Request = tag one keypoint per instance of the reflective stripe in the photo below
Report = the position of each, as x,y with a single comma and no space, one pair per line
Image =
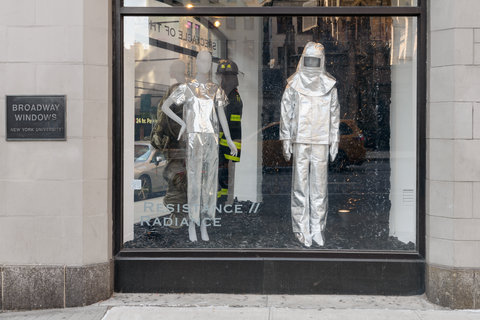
233,158
221,134
235,117
224,142
222,192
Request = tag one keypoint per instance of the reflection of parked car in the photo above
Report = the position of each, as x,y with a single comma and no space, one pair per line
351,149
149,166
272,153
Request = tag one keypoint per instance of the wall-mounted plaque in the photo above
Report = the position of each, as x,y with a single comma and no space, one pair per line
36,117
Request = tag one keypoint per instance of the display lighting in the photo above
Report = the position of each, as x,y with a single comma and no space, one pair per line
189,6
217,23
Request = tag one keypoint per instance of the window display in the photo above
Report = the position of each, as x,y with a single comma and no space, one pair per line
298,133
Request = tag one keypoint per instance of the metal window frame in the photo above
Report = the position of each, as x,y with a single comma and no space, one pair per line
126,259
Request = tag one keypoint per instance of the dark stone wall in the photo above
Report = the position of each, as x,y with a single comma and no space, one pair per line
453,288
31,287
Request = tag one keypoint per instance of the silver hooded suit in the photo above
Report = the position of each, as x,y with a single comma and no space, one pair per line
310,117
200,102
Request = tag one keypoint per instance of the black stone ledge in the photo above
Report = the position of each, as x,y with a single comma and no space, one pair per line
32,287
455,288
269,276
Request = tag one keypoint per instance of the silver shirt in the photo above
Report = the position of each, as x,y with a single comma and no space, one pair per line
310,112
200,101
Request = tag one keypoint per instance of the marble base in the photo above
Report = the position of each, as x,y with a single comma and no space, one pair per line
30,287
453,288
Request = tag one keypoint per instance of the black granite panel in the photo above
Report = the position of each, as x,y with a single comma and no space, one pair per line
344,277
189,276
270,276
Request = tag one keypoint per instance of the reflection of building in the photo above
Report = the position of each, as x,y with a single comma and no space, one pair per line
358,56
168,39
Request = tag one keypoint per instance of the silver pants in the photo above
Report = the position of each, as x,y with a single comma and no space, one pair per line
309,189
202,175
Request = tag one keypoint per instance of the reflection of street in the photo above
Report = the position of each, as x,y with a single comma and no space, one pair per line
151,208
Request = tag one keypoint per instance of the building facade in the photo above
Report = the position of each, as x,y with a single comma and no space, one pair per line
97,208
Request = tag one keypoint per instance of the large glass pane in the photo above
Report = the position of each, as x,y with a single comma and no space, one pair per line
260,3
363,199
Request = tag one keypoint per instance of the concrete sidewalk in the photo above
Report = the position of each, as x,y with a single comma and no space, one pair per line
252,307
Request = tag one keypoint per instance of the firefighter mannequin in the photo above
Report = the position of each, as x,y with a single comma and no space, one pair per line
227,77
310,118
203,103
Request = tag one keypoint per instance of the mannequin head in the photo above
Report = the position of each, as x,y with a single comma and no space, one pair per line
313,58
311,77
218,78
226,74
204,62
177,71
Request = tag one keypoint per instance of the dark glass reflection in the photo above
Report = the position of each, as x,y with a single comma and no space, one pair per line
366,55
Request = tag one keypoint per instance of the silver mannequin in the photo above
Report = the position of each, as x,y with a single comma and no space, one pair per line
203,103
310,118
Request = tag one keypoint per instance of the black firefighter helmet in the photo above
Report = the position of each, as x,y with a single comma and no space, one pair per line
226,66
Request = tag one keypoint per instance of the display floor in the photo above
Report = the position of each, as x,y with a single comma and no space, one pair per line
358,217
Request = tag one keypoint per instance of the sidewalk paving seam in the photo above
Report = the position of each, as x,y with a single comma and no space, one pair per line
417,314
105,313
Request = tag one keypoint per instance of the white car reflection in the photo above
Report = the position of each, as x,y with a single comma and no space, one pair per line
148,168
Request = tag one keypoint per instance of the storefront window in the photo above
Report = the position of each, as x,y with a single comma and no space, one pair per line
321,113
260,3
